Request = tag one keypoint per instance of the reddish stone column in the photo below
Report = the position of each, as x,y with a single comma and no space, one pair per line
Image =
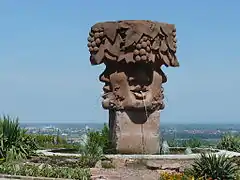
134,133
133,52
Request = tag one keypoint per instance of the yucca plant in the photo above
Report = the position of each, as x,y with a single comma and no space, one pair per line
14,142
213,166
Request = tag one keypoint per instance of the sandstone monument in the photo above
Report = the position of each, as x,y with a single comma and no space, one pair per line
133,52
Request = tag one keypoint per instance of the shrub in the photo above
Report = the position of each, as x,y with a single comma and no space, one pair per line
48,142
237,160
107,144
101,138
173,143
92,150
15,143
44,170
192,143
230,142
97,144
213,166
48,139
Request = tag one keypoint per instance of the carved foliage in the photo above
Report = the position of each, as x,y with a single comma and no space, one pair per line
133,41
133,52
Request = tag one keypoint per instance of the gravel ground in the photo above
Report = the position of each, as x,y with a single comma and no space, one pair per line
135,169
136,174
127,174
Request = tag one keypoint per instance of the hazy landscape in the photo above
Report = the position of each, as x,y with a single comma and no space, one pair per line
209,132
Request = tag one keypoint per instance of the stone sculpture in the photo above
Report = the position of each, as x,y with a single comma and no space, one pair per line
133,52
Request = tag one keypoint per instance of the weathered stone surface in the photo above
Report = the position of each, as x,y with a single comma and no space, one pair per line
119,162
164,165
134,133
98,164
153,165
173,166
98,174
107,164
181,169
133,52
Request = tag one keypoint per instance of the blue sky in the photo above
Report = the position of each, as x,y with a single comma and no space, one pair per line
46,76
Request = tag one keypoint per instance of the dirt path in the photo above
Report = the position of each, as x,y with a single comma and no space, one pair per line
124,174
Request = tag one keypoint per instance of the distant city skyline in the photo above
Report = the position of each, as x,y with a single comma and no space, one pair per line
73,132
46,76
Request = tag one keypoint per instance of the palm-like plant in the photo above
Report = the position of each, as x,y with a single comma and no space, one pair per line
212,166
14,142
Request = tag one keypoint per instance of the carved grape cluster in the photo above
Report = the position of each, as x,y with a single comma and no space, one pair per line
95,39
143,48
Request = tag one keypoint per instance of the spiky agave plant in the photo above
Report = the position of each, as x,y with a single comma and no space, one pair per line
230,142
14,142
213,166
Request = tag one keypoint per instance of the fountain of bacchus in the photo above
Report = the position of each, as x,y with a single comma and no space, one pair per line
133,52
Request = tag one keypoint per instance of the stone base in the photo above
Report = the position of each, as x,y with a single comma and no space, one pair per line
132,132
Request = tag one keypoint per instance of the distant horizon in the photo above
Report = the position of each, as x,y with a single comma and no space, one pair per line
193,123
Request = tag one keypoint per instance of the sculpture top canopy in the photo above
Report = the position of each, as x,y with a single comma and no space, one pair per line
133,41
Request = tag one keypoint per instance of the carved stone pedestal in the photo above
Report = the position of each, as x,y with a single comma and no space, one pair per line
132,132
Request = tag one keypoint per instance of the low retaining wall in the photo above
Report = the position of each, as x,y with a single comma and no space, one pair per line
143,156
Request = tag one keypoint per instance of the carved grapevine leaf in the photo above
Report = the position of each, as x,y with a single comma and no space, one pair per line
114,49
165,58
175,62
110,30
108,56
164,29
100,54
163,46
156,43
170,43
136,41
174,41
148,28
128,57
154,30
132,36
136,31
170,56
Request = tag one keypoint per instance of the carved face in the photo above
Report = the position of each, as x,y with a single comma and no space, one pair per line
132,86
